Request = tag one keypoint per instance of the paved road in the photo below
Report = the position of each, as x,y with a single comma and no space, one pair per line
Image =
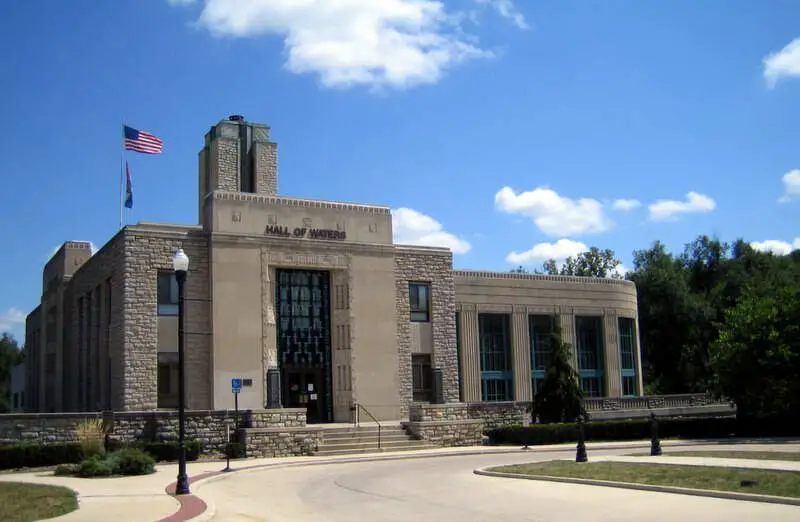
445,489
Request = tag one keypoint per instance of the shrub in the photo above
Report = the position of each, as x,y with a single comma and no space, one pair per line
63,470
96,466
91,436
168,451
235,450
28,455
133,462
691,428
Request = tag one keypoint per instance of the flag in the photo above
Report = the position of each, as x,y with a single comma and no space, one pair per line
128,187
140,141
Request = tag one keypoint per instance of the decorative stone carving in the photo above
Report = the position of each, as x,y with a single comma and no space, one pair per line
236,217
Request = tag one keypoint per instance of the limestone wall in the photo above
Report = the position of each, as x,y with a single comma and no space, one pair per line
444,424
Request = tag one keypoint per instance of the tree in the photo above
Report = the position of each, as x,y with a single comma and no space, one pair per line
592,263
561,397
10,356
756,360
519,270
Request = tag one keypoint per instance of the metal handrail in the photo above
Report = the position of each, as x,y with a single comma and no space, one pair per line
357,407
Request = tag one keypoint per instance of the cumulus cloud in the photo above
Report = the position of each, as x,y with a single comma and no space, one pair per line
415,228
560,250
783,64
553,214
791,186
776,246
626,204
11,319
386,43
506,9
670,209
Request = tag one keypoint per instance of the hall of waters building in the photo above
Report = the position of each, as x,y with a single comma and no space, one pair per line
311,304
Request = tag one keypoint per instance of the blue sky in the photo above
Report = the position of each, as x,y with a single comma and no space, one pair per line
508,131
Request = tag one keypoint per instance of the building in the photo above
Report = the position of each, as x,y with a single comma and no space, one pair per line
309,303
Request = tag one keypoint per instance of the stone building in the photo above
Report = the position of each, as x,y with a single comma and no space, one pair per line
311,304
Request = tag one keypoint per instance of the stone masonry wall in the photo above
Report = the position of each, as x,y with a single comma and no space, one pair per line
147,252
281,442
225,162
266,168
434,267
208,427
498,414
445,424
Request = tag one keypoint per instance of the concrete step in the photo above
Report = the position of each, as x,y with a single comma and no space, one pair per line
329,452
363,435
411,444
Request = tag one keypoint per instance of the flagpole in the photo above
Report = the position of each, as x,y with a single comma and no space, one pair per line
122,178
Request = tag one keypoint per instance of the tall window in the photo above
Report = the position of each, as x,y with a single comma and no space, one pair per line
627,355
458,356
540,328
167,294
494,331
589,333
421,377
419,295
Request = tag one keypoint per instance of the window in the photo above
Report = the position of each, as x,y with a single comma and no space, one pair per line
495,348
627,355
589,333
421,377
167,294
419,295
167,380
541,329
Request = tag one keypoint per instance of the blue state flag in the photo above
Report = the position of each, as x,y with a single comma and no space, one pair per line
128,187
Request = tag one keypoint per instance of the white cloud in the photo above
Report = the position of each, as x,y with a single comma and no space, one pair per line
379,43
791,186
783,64
776,246
560,250
670,209
11,319
553,214
506,9
415,228
626,204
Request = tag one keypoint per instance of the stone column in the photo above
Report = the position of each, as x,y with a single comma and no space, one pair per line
470,354
269,339
613,377
521,354
566,318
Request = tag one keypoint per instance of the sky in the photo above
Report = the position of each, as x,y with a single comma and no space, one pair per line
508,131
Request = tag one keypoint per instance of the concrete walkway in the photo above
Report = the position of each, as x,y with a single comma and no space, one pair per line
145,499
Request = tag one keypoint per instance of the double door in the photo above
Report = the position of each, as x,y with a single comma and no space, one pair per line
305,388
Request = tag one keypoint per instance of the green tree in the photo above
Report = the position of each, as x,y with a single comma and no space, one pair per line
592,263
561,397
10,356
756,360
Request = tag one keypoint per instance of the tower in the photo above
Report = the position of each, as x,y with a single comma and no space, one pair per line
237,156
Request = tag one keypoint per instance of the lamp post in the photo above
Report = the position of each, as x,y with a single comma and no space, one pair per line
180,263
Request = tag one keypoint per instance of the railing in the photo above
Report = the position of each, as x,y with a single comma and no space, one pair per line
653,401
357,409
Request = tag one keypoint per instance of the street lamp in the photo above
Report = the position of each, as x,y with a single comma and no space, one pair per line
180,263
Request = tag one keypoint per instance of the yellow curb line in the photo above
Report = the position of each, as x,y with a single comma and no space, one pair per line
727,495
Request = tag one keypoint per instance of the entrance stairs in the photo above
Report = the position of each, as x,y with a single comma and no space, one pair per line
352,440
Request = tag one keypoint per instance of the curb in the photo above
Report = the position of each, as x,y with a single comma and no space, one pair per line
190,509
726,495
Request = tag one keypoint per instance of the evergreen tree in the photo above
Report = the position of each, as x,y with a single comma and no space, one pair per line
561,397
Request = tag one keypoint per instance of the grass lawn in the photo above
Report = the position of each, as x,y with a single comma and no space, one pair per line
778,483
28,502
722,454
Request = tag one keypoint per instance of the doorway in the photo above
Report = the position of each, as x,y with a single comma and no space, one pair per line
304,388
302,299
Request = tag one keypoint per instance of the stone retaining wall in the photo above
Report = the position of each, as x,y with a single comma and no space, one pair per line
445,424
281,442
208,427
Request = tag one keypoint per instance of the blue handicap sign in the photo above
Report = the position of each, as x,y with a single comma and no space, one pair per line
236,385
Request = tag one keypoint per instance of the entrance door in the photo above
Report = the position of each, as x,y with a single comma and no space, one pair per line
304,341
304,388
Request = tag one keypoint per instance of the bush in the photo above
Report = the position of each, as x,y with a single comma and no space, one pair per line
691,428
29,455
123,462
168,451
235,450
91,436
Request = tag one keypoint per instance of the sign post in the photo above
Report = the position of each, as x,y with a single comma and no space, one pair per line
236,387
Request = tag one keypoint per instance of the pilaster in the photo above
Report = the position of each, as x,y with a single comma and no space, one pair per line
470,354
521,354
613,376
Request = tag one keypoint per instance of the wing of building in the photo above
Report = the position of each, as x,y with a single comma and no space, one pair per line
311,305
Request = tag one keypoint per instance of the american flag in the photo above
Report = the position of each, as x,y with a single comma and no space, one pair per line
140,141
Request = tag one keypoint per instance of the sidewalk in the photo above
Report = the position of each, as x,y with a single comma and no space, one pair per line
144,499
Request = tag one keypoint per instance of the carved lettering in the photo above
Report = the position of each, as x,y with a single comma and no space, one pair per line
277,230
303,232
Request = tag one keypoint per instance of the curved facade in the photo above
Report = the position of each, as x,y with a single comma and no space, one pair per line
310,304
